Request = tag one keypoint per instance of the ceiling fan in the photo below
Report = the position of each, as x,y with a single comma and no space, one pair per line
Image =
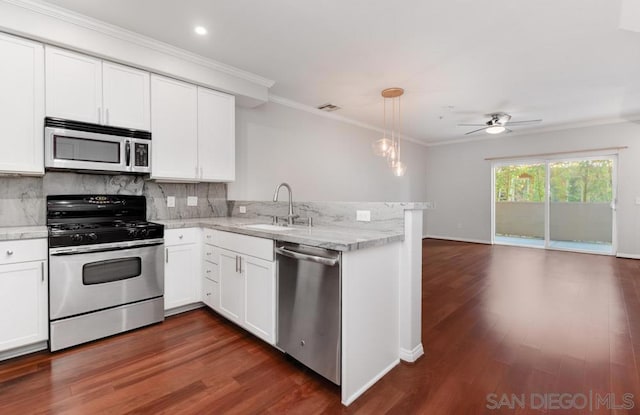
497,123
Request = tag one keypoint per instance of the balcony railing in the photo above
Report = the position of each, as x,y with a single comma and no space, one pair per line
568,221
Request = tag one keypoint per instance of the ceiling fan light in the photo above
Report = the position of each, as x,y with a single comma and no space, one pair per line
381,147
496,129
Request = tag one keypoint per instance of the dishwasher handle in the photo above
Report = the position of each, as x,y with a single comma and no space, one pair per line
331,261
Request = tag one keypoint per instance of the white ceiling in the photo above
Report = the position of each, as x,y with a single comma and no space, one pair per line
566,61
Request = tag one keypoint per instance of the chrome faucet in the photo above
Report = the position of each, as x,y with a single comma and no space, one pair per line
290,216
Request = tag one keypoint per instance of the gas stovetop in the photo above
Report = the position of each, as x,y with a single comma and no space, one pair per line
94,219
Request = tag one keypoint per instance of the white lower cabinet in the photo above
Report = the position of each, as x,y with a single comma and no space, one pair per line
231,286
182,268
259,297
242,286
23,293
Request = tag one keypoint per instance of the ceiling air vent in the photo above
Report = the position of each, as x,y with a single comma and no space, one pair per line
328,107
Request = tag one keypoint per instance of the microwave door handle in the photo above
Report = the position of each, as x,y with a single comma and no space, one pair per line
127,153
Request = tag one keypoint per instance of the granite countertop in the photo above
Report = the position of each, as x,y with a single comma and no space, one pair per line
329,237
9,233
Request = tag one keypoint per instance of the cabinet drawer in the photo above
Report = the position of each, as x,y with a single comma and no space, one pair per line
210,271
211,294
23,250
244,244
208,236
209,254
181,236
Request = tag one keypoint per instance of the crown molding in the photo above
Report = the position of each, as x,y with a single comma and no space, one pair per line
312,110
541,130
117,32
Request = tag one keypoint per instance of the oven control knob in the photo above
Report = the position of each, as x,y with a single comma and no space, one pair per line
144,232
76,237
92,236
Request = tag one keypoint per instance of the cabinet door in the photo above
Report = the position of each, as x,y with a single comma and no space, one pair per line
231,286
21,106
126,98
260,297
174,125
181,276
23,304
73,86
216,136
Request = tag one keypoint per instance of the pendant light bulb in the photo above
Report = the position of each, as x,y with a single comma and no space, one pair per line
382,147
398,168
392,155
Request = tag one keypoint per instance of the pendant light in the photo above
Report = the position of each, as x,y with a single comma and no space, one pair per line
383,146
390,148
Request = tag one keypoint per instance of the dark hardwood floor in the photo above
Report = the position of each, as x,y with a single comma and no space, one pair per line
498,319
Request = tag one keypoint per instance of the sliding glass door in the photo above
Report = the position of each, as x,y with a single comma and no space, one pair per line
519,208
581,205
563,204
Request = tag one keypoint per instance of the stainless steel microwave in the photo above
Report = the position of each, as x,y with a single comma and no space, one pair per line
73,145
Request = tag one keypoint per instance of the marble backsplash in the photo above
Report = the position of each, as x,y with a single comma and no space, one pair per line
384,215
23,199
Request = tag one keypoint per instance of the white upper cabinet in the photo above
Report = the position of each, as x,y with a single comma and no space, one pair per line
174,127
21,106
193,132
83,88
73,86
126,97
216,136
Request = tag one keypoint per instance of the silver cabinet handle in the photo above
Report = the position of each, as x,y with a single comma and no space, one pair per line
166,256
236,263
240,266
208,271
9,252
42,271
180,236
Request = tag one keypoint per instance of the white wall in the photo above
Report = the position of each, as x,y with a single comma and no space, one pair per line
322,159
459,179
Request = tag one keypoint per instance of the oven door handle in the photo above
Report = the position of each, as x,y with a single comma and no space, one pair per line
105,247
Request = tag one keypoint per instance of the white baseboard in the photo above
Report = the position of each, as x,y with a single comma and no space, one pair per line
349,400
32,348
451,238
182,309
629,256
411,355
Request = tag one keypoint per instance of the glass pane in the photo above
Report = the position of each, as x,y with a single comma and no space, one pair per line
519,204
82,149
101,272
580,215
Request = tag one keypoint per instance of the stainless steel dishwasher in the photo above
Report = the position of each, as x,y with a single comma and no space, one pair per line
309,307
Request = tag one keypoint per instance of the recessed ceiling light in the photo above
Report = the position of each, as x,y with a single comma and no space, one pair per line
200,30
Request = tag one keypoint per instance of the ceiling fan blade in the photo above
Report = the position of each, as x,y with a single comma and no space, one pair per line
524,122
470,125
475,131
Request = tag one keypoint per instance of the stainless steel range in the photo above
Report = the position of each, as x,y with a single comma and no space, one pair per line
106,267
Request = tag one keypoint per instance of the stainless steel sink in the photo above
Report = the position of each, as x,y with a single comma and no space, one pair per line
270,228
